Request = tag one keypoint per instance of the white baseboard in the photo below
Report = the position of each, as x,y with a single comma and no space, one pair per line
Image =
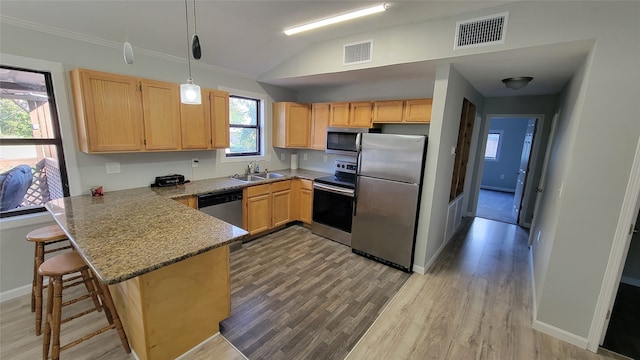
435,256
497,188
419,269
534,307
630,281
14,293
563,335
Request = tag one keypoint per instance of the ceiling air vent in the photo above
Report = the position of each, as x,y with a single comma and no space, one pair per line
486,30
357,53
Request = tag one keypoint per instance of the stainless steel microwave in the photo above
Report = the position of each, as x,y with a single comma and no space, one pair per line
342,141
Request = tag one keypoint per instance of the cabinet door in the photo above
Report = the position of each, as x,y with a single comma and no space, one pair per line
258,213
306,201
339,114
360,114
161,104
319,123
390,111
417,110
108,112
196,125
219,113
281,207
298,125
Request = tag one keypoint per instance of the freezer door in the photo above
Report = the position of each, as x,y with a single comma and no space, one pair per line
393,157
384,219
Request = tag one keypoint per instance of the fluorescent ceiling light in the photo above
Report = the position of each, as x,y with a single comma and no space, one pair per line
336,19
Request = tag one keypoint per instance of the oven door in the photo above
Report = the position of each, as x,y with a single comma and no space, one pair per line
332,212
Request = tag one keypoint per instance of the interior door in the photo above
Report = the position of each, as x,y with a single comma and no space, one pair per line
524,169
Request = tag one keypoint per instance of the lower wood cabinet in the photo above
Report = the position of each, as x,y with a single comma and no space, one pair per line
189,200
304,201
268,206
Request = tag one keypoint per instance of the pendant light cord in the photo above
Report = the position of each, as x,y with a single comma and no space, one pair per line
194,18
186,16
126,22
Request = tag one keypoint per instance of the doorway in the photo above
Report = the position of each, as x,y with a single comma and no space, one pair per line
507,156
623,332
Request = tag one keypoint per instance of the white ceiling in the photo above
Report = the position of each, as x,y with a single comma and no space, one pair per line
233,32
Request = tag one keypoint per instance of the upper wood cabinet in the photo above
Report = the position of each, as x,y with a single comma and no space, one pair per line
219,115
161,106
118,113
402,111
339,114
319,123
360,114
291,125
109,113
353,114
196,124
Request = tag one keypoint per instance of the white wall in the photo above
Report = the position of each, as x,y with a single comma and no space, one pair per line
449,92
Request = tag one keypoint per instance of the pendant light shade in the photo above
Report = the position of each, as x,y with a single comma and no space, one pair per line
190,92
516,83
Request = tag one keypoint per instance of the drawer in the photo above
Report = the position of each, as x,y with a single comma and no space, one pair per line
306,184
258,190
281,185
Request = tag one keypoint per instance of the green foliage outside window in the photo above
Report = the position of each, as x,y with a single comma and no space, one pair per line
244,126
14,120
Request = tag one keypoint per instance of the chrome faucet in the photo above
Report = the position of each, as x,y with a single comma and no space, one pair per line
249,168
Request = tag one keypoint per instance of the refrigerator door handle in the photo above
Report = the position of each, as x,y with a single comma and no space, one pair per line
358,136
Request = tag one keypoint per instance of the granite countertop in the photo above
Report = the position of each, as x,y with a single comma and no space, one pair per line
127,233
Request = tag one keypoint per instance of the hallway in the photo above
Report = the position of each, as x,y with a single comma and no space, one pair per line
474,303
496,205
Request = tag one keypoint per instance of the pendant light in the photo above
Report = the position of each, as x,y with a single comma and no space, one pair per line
195,41
189,92
127,50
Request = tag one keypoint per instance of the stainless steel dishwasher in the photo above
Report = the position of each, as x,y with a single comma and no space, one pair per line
224,205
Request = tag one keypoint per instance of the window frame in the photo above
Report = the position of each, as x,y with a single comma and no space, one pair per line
56,141
500,134
258,127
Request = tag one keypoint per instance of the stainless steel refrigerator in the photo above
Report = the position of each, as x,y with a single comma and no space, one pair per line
387,196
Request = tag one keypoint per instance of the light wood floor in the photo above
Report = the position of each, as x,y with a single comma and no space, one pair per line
475,303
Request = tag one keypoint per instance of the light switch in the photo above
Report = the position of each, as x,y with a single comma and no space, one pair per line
304,156
113,168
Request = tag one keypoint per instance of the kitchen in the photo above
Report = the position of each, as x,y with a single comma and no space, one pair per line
138,169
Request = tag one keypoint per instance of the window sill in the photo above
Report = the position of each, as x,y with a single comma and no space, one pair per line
26,220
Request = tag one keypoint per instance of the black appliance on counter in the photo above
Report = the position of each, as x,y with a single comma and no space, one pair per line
169,180
333,203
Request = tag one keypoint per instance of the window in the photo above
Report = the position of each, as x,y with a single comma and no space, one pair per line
32,167
493,145
244,126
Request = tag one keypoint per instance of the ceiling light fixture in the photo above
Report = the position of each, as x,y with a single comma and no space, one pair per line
516,83
189,92
336,19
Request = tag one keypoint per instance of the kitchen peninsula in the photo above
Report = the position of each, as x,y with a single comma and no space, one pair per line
167,265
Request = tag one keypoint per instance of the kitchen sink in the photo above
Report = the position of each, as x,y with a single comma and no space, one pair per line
269,175
248,178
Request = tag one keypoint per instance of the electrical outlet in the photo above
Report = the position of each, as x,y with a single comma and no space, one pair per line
324,159
195,162
304,156
501,176
113,168
282,156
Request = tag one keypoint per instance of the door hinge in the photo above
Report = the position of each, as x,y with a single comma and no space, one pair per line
631,227
144,141
608,315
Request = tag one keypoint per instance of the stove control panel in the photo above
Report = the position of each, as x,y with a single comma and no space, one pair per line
345,166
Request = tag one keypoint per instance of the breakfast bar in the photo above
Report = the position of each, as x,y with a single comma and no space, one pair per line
167,265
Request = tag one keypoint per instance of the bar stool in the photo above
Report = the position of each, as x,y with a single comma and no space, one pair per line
57,267
42,238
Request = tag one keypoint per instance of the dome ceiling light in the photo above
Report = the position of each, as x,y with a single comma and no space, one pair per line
516,83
